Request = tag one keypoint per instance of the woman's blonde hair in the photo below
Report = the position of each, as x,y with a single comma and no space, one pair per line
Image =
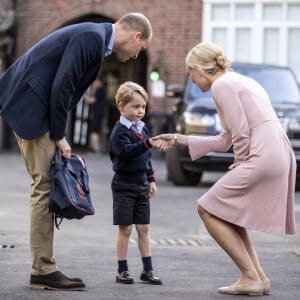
126,90
207,56
138,22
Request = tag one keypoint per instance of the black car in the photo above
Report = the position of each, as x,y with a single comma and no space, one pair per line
195,114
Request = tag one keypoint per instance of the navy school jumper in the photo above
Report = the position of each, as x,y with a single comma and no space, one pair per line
130,153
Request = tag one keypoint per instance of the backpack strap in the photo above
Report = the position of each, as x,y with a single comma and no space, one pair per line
57,219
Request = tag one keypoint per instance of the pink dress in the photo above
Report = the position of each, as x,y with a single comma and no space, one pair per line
258,190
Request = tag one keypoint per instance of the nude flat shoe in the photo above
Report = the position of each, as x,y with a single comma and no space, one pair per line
256,289
267,286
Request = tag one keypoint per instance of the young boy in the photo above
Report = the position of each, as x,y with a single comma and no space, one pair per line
133,183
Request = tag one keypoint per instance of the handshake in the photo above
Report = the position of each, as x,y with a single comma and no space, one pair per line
165,142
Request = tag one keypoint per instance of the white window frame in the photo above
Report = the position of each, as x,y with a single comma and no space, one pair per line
257,25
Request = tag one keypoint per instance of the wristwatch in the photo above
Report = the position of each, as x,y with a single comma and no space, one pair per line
176,139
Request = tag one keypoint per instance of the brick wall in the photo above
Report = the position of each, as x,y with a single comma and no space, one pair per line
176,27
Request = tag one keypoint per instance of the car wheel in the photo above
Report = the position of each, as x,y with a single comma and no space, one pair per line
176,173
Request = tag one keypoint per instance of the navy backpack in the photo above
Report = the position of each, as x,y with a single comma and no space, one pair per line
70,194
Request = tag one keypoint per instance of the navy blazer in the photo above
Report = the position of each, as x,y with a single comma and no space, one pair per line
45,83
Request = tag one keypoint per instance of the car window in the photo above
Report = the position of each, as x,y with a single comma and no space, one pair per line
193,92
280,84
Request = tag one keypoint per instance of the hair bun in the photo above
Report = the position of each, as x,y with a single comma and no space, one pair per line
222,62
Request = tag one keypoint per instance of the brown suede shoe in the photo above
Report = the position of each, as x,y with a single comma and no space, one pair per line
55,281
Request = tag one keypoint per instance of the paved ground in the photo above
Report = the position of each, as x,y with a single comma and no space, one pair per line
190,264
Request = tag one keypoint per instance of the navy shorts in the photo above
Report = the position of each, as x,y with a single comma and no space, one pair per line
131,202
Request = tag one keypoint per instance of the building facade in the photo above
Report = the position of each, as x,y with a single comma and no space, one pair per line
259,31
176,28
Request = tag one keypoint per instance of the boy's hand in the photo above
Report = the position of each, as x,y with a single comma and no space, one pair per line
160,144
153,189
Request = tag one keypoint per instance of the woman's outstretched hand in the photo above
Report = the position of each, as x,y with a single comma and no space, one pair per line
159,144
163,142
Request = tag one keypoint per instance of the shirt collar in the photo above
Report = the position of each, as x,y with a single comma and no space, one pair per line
111,41
128,124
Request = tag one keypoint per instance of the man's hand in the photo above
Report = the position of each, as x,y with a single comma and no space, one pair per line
64,148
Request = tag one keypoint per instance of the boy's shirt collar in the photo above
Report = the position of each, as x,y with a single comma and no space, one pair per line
139,124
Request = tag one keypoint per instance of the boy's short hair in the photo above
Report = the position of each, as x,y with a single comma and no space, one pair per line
126,90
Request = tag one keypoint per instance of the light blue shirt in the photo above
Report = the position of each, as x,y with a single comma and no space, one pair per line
128,124
111,42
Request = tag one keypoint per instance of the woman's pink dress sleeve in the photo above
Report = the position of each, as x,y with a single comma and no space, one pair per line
201,145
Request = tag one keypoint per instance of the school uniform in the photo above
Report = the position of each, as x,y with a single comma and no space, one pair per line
130,152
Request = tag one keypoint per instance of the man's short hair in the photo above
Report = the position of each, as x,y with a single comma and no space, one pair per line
138,22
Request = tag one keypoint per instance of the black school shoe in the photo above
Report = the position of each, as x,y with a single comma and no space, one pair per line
124,277
150,277
56,281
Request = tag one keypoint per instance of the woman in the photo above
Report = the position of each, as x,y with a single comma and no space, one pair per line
96,98
258,190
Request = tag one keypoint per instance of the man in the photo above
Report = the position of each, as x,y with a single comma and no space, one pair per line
37,92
